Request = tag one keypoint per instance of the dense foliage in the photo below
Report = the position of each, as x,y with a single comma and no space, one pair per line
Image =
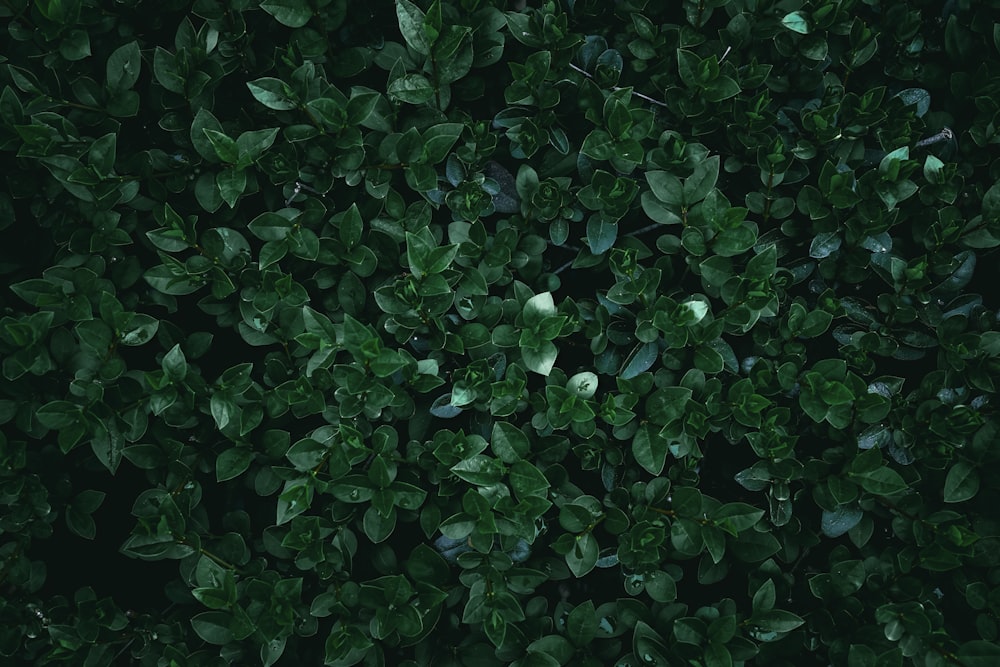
465,332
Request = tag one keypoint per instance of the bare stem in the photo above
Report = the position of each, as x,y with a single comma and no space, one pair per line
944,135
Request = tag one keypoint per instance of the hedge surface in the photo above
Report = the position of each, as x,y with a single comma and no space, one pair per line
472,332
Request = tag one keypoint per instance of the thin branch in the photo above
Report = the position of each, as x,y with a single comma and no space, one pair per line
299,187
617,88
643,230
944,135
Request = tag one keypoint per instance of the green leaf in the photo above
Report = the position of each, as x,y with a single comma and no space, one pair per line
81,523
601,234
796,22
232,463
174,364
231,183
688,64
273,93
649,449
527,480
764,598
598,145
881,481
582,557
223,145
509,443
292,13
777,620
979,653
991,202
660,586
412,89
213,627
581,624
479,469
204,120
917,97
378,527
641,359
540,360
736,517
213,598
700,183
583,384
270,227
38,292
58,414
101,155
962,483
837,522
754,547
667,404
293,501
438,141
762,266
123,67
251,145
666,187
722,88
224,410
411,24
75,45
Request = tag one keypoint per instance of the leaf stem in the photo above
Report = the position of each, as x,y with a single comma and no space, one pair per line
617,88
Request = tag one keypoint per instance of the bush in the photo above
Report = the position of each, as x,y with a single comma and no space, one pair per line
470,333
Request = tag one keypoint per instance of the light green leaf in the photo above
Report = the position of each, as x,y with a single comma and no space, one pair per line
796,22
542,359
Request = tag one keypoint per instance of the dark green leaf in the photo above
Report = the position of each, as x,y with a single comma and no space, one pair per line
123,67
583,556
581,624
601,234
411,25
509,443
273,93
213,627
292,13
962,483
881,481
649,449
232,463
837,522
526,480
